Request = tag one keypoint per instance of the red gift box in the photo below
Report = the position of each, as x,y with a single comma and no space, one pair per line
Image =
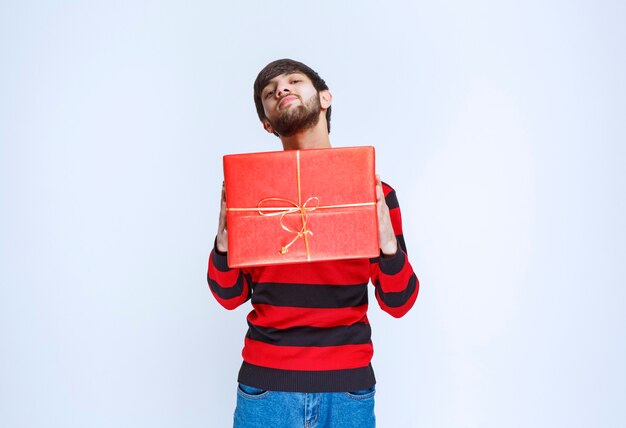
301,206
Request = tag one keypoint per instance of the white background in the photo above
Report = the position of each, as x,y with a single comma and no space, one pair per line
499,123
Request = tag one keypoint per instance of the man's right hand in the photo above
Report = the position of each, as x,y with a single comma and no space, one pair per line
221,242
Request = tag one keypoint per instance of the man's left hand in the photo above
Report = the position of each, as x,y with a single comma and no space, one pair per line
386,236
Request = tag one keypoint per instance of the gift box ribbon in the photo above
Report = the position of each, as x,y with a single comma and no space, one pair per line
311,204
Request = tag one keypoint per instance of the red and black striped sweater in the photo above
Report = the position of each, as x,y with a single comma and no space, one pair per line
308,329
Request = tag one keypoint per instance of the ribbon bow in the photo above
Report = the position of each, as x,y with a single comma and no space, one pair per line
293,208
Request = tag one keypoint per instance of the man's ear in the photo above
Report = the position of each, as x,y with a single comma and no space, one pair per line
267,126
326,99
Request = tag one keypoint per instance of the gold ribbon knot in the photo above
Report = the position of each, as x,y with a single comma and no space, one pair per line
283,211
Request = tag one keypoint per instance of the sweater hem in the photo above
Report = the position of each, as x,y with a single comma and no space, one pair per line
269,379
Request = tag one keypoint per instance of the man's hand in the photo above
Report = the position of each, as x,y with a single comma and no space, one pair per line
386,236
222,232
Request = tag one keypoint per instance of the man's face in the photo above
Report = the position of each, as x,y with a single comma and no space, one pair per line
291,104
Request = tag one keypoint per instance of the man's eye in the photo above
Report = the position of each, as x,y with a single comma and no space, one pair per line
269,94
296,81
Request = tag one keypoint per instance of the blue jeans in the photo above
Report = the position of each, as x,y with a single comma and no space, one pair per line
271,409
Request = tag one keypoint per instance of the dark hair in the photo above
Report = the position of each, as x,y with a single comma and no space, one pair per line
282,66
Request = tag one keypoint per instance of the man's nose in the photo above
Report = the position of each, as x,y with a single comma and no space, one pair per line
282,90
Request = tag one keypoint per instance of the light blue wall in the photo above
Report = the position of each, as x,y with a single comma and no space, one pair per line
500,124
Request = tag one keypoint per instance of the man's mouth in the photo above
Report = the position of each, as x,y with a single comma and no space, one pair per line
287,100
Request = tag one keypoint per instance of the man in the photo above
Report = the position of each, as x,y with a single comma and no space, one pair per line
308,349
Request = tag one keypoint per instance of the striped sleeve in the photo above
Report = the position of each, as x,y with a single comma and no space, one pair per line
393,277
230,287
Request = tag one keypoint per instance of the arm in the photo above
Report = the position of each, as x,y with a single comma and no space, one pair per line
393,277
230,287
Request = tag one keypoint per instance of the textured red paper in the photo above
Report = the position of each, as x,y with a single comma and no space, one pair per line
335,176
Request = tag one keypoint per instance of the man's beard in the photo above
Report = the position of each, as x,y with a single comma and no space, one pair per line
299,118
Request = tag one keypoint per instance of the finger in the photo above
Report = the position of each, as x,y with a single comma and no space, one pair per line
380,195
